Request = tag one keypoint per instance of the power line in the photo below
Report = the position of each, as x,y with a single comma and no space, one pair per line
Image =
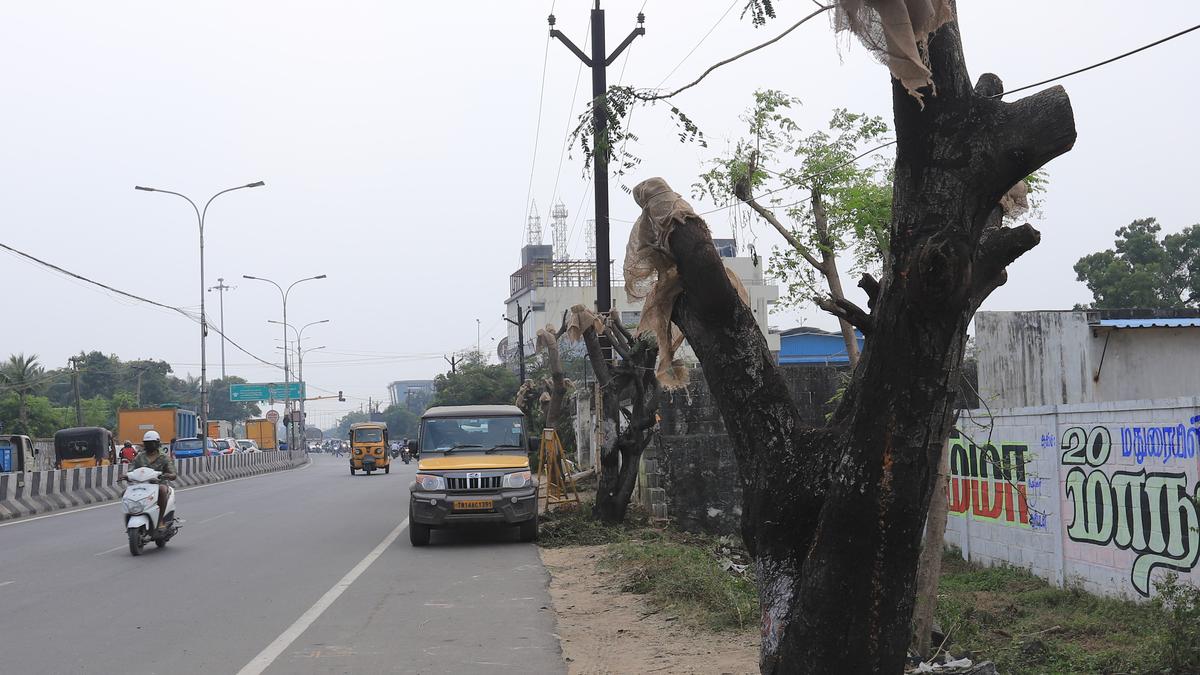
693,51
1101,63
537,133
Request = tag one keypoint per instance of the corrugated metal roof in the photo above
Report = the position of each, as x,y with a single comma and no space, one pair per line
1193,322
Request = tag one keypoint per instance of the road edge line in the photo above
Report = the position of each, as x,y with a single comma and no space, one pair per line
272,651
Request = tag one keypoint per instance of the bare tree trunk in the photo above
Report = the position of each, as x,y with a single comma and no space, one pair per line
832,278
929,567
834,515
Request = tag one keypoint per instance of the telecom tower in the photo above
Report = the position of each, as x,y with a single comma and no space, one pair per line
533,227
590,231
558,224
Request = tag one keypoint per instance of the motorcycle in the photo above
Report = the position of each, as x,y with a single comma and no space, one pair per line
404,454
142,511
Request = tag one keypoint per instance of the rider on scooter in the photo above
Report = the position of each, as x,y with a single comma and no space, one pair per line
153,457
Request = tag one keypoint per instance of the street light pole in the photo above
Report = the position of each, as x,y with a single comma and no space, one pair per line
300,361
283,295
200,214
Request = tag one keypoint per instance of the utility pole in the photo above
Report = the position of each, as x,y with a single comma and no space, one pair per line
477,336
453,361
137,390
520,324
75,384
599,63
221,288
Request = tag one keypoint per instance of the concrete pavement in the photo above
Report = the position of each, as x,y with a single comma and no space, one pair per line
262,565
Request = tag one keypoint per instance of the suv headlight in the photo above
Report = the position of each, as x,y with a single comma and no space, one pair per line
518,479
427,481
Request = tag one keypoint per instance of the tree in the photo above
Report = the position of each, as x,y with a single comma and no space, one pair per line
1144,271
834,515
476,382
43,418
343,427
630,378
401,422
21,375
847,209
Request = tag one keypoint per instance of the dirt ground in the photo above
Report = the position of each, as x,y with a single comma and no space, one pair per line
605,630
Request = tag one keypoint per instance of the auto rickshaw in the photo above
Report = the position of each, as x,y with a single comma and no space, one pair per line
83,446
368,448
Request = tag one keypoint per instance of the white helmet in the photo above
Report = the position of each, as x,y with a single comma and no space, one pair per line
151,436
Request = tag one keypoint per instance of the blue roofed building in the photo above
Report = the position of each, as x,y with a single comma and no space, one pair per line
808,345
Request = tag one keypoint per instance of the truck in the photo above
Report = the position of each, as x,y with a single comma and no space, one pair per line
17,454
220,429
170,423
264,434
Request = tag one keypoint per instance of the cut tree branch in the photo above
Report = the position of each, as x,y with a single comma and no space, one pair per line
871,287
787,234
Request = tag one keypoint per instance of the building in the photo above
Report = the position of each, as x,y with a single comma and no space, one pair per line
1058,357
549,287
814,346
418,393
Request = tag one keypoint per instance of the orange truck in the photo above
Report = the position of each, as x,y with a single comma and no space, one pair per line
264,434
170,423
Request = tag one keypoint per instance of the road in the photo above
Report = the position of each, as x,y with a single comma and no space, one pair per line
301,571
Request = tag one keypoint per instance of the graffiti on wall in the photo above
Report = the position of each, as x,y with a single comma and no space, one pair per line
988,481
1150,513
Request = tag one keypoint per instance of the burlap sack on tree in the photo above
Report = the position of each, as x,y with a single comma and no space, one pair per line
652,277
897,33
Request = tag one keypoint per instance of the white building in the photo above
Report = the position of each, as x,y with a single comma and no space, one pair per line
551,287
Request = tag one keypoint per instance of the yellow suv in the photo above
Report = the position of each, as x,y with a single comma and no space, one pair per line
473,468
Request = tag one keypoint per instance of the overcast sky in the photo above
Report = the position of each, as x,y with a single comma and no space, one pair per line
397,139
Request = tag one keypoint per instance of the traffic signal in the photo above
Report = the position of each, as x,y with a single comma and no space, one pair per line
340,396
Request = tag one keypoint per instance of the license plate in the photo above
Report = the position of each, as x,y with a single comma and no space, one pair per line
473,505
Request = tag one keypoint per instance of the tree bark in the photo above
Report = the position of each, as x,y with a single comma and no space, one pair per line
834,515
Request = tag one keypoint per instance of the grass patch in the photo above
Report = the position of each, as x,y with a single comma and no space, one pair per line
1025,625
687,579
570,525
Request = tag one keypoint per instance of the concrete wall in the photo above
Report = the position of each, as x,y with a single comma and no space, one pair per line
689,473
1094,494
1053,357
30,493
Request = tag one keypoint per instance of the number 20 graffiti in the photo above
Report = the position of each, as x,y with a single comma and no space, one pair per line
1150,513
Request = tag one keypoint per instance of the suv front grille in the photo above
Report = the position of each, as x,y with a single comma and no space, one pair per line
473,482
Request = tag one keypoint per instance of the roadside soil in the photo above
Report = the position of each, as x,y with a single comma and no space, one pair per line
606,630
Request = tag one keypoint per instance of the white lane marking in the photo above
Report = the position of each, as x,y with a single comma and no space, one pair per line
115,548
267,656
9,582
114,503
209,520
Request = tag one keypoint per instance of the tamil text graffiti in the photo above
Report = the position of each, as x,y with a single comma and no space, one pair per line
987,481
1152,514
1162,443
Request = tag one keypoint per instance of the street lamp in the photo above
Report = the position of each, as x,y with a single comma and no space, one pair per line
283,294
200,214
299,334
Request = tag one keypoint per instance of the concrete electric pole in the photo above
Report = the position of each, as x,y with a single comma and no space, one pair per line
221,288
520,324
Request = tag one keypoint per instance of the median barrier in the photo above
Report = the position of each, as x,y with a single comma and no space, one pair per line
36,492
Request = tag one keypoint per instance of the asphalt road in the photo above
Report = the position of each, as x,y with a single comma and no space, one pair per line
301,571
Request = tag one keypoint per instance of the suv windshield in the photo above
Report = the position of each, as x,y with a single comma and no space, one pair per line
368,435
439,434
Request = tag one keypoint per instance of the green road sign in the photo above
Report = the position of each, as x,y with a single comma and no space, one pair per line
271,391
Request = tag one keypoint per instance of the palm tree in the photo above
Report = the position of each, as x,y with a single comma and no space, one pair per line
22,374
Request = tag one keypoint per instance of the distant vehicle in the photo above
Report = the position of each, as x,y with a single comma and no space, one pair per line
263,433
219,429
17,454
170,422
226,446
183,448
247,445
83,447
368,448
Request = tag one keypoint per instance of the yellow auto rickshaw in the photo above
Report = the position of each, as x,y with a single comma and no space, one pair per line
369,448
83,446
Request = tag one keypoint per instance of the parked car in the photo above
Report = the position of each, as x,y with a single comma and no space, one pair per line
247,445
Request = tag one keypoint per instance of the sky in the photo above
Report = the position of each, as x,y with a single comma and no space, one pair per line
400,144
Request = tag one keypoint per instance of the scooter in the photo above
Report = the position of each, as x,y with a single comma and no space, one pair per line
142,511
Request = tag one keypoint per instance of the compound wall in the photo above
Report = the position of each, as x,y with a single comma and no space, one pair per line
1098,494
